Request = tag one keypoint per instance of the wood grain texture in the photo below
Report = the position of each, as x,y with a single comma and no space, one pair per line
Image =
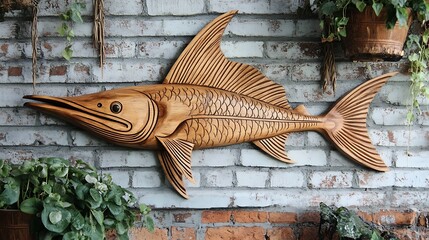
208,101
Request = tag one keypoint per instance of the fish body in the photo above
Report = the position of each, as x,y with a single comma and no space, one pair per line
208,101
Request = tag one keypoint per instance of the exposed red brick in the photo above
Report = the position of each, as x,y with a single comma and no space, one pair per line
309,233
423,220
58,71
243,216
82,68
181,217
405,233
282,217
14,71
395,217
144,234
4,48
366,216
47,46
235,233
178,233
309,217
280,233
215,216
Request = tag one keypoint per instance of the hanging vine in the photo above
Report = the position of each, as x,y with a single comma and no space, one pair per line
34,39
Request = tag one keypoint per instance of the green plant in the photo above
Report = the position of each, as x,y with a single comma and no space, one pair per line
419,78
333,16
347,225
70,16
71,201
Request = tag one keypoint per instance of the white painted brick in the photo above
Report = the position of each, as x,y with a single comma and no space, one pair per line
83,138
183,27
49,28
130,27
292,179
215,157
197,177
306,72
261,27
256,158
277,72
316,139
175,7
389,116
241,49
146,179
129,71
161,49
331,179
131,7
7,29
34,136
255,6
308,28
122,178
56,7
293,50
418,138
371,179
408,198
412,159
412,178
119,48
396,94
17,117
218,178
15,50
127,158
338,159
252,178
296,139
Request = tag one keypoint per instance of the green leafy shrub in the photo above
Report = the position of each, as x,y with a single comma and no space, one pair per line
71,201
345,224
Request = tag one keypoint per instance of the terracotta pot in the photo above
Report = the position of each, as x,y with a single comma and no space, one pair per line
15,225
368,38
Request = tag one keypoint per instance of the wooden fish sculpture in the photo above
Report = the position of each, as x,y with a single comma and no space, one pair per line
208,101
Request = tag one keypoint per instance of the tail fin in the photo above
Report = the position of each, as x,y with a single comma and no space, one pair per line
346,127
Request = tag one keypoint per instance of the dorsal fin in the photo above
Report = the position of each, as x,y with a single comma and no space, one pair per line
203,63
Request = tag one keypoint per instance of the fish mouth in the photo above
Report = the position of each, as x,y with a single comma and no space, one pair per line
77,114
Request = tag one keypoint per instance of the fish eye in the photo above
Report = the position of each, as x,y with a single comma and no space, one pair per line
116,107
99,105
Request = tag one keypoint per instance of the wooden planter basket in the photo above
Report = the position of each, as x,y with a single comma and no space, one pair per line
15,225
368,38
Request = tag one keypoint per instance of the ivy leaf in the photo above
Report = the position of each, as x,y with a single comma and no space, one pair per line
329,8
377,6
402,15
67,53
360,5
413,57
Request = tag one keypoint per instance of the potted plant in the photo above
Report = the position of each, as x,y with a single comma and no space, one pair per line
359,24
68,201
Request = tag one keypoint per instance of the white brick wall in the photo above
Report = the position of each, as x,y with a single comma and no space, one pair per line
143,40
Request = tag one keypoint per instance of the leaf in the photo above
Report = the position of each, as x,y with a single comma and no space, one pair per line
55,219
377,7
360,5
413,57
31,205
149,224
67,53
98,215
115,209
328,8
95,198
402,16
10,194
81,191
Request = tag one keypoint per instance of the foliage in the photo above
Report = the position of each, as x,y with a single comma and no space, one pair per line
69,200
333,13
69,17
419,71
348,225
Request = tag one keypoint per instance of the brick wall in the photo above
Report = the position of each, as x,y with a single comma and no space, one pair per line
143,40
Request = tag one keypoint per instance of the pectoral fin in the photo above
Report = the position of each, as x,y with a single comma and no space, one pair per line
275,147
175,159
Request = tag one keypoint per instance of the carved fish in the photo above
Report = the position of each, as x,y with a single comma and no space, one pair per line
208,101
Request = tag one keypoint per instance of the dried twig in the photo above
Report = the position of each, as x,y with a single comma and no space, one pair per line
329,74
98,30
34,39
